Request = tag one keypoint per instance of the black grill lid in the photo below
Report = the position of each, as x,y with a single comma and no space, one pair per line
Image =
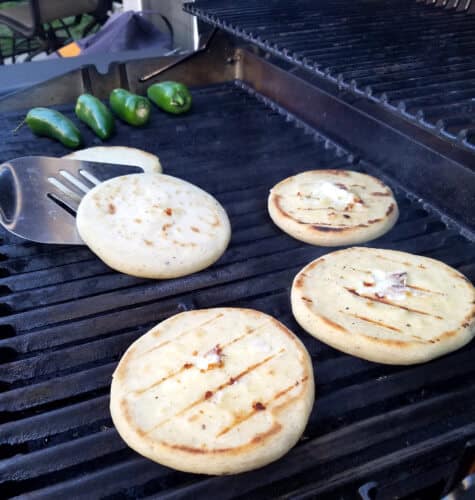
410,58
67,319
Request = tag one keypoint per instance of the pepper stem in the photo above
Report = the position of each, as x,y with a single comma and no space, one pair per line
178,99
18,127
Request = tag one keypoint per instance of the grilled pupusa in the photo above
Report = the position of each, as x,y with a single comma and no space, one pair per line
214,391
383,305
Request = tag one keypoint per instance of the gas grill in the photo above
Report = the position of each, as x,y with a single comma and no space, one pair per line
259,115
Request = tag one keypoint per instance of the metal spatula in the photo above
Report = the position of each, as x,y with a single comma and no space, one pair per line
39,196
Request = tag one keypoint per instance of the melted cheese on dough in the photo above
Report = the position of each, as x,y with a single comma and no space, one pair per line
328,194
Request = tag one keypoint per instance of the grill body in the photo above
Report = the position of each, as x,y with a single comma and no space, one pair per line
66,318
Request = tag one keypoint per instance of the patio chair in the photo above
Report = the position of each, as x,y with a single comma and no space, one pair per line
33,21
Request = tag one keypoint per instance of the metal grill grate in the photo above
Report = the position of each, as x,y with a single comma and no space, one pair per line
67,318
416,61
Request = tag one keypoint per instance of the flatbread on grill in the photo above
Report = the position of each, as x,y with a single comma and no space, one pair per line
333,207
153,225
119,155
385,306
213,391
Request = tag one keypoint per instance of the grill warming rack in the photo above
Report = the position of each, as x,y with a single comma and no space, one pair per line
415,61
65,318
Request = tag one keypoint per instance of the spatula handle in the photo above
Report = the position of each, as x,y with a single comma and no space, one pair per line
8,195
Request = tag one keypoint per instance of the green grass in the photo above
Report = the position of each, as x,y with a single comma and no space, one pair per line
6,35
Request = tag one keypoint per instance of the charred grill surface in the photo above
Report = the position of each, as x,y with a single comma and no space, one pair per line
66,319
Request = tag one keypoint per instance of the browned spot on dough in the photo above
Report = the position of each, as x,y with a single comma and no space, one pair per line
111,208
373,221
448,334
243,417
329,229
393,342
314,264
389,303
193,417
258,406
140,432
370,320
414,287
168,211
342,173
390,209
189,449
208,394
125,410
333,324
382,257
376,193
138,221
195,353
307,299
284,404
148,243
238,449
278,206
160,381
166,226
288,389
299,282
195,229
470,316
367,283
346,216
187,365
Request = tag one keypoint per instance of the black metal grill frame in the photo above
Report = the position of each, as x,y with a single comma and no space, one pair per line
413,60
67,319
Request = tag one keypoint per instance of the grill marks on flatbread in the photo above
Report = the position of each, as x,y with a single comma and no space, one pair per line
189,365
390,303
210,392
153,225
232,385
385,306
333,207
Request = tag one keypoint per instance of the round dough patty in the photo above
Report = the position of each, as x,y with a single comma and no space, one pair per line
385,306
153,225
213,391
119,155
333,207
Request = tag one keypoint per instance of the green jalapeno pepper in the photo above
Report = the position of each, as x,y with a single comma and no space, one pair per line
50,123
172,97
131,108
96,115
